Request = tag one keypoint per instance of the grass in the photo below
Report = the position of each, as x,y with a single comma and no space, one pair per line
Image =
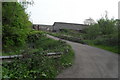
105,47
14,51
67,37
109,48
11,53
89,42
78,37
35,64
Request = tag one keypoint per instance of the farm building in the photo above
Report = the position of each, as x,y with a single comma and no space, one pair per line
42,27
57,26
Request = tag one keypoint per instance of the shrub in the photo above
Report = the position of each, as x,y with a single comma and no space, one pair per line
36,65
110,40
106,26
92,32
16,26
74,39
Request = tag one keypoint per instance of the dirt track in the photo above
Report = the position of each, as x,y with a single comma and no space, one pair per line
91,62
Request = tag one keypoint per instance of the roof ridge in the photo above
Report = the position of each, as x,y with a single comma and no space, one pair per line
69,23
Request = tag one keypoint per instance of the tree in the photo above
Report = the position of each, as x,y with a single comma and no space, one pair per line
15,27
106,26
93,31
89,21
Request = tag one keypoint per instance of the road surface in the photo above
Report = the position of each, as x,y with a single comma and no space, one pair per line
90,62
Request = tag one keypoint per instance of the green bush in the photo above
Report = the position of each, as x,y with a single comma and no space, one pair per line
17,36
100,40
105,32
33,36
92,32
110,40
106,26
70,38
36,65
16,26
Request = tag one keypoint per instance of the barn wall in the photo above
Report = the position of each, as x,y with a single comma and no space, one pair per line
58,26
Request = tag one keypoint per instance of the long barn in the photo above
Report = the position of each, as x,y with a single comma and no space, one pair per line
57,26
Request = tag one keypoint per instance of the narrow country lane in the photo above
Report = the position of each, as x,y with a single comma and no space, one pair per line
91,62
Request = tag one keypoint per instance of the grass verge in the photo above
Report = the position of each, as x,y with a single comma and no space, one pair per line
89,42
34,64
105,47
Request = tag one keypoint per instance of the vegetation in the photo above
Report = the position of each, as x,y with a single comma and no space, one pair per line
70,35
19,38
35,64
15,29
70,38
103,34
106,47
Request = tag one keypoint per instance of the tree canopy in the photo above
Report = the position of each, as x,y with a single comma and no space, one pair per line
16,26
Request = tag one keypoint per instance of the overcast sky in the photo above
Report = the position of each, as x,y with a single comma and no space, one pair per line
71,11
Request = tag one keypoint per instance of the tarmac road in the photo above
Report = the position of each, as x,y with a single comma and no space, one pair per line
91,62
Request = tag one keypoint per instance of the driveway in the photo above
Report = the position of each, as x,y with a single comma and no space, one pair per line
90,62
